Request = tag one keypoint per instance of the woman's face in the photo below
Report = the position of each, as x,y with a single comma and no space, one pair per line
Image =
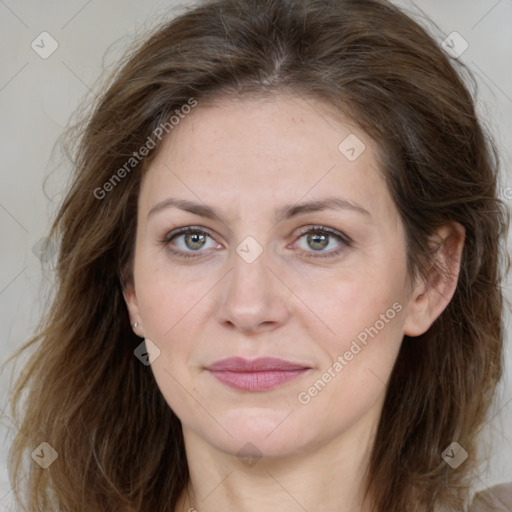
255,280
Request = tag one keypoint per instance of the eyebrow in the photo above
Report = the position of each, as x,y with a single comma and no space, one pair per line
280,214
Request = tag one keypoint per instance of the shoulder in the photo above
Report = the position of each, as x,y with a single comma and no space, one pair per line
494,499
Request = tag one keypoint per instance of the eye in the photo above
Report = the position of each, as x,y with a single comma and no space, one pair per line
191,240
319,237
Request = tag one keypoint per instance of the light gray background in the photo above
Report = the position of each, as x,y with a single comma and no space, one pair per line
37,97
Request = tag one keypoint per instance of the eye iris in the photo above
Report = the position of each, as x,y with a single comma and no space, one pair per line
194,237
313,239
194,240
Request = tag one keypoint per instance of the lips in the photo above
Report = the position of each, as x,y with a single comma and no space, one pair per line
255,375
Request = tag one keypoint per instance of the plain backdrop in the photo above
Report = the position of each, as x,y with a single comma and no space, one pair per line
38,96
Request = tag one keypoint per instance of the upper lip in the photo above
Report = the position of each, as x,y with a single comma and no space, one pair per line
239,364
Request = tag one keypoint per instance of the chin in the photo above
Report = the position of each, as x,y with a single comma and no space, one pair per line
258,432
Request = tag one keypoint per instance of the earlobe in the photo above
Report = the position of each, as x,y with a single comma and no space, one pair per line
434,292
130,299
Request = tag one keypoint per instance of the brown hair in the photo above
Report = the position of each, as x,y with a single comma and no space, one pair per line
119,444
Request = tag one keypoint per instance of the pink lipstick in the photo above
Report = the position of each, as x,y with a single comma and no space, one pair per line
257,375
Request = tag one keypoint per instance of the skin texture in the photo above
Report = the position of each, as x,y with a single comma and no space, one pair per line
246,158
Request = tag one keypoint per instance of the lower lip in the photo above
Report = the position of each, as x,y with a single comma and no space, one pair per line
256,381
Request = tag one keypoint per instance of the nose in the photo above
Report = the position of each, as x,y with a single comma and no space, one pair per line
253,299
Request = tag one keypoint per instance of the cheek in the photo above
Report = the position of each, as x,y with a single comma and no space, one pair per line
173,317
351,304
365,353
366,315
168,298
358,365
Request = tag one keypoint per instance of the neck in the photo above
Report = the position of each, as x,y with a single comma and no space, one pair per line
329,477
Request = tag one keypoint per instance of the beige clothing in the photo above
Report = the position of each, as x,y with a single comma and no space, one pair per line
495,499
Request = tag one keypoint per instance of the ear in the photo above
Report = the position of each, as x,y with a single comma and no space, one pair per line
434,292
130,297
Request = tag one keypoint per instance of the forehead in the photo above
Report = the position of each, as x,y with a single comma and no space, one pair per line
265,151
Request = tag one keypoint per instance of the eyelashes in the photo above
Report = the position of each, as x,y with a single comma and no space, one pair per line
327,233
312,234
190,230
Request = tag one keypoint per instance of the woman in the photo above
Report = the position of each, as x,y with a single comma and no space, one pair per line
279,274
